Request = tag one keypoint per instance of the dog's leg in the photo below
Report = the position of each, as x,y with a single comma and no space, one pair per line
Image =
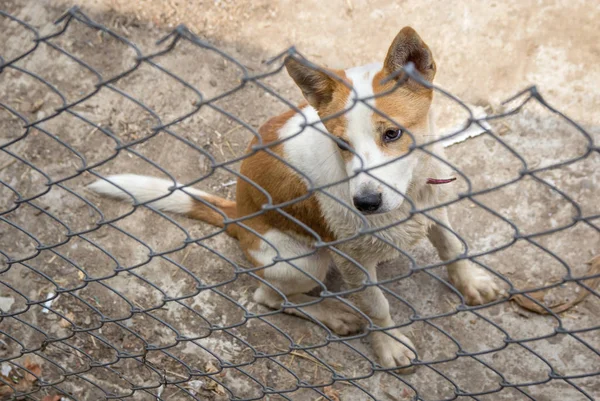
392,348
338,317
476,284
288,278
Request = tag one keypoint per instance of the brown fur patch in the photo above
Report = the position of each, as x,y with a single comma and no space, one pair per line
399,107
339,99
283,185
338,124
406,105
200,211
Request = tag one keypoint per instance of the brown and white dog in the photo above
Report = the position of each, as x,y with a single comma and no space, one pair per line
371,135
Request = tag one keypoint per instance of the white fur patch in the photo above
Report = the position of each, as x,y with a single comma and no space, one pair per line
312,152
392,179
287,277
144,189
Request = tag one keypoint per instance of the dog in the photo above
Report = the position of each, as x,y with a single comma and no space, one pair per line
354,141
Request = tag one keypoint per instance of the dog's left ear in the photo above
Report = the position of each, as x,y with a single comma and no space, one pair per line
316,85
409,47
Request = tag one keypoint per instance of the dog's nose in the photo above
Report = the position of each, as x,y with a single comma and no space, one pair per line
369,202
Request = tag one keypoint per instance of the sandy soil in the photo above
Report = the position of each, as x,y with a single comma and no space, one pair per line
198,302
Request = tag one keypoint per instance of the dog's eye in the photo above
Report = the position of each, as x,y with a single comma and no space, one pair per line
342,144
392,135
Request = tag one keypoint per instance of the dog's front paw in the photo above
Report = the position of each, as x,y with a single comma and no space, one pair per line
393,353
344,321
475,284
340,318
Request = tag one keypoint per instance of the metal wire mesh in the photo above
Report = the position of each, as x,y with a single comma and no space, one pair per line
100,310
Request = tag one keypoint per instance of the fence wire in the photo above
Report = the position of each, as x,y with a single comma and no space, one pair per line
60,337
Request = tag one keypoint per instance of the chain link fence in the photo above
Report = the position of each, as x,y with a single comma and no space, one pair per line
102,300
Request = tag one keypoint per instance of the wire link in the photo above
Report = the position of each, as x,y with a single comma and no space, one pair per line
83,362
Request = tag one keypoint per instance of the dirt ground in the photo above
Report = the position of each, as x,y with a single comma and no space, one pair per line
197,300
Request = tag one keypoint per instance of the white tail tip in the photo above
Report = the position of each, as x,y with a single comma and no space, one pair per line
144,189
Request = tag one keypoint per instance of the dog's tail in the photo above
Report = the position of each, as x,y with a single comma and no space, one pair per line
144,189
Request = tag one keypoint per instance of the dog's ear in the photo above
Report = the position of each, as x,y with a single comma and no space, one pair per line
317,87
409,47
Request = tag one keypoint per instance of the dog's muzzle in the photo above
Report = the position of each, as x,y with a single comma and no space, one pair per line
368,202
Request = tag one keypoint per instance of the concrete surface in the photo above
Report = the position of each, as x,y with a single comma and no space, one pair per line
486,52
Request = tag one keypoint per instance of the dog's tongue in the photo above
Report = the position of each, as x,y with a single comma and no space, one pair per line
440,180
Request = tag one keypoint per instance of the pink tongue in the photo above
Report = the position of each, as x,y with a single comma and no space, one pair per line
440,180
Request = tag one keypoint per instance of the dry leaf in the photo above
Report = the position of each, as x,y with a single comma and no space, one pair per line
539,296
210,367
64,323
37,105
332,393
20,380
211,384
219,390
33,368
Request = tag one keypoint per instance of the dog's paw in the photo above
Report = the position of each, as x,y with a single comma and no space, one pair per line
340,318
475,284
393,353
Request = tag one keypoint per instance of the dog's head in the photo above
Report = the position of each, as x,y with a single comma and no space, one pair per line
370,118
